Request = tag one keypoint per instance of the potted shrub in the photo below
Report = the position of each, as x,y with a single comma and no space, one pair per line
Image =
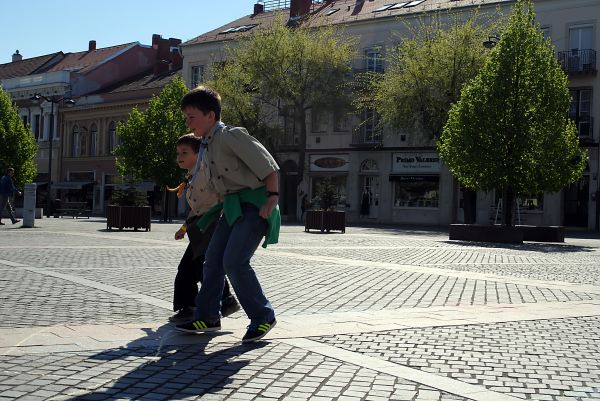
128,208
325,217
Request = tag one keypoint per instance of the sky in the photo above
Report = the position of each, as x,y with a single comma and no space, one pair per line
39,27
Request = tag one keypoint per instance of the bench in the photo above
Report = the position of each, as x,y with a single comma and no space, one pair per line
73,209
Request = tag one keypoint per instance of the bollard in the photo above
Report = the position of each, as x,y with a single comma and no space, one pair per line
29,205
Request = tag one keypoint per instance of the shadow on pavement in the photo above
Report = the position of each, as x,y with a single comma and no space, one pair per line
172,371
542,247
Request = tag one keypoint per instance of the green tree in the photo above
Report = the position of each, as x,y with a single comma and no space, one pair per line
277,68
426,72
19,148
147,141
510,130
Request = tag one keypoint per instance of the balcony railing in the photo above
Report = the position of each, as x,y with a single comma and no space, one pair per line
578,61
366,139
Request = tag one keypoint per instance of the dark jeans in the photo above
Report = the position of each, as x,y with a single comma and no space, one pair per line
5,203
229,253
189,274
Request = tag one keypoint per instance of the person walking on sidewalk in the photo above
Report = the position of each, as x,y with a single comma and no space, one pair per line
7,191
200,200
245,175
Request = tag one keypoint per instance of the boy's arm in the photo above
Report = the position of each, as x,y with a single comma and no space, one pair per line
272,185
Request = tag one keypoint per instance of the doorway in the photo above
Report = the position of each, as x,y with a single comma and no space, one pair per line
369,202
576,203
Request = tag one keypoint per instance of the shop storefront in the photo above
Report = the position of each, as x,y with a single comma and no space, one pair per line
415,187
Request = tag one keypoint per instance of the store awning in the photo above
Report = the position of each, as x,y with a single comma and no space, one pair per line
71,184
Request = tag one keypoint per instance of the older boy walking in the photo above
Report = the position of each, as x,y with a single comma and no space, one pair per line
245,176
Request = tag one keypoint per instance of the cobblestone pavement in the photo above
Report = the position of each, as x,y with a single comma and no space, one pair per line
372,314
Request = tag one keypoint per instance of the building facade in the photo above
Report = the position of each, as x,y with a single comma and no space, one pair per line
397,177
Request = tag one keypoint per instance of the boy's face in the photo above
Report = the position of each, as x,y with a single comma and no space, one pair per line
198,122
186,158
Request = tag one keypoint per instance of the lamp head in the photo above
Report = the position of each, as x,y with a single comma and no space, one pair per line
36,98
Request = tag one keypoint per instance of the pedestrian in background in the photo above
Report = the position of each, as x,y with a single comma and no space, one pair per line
7,191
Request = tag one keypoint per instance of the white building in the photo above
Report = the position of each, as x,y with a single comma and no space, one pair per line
399,175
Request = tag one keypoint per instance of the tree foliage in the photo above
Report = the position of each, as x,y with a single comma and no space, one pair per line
17,144
278,67
510,130
426,71
147,141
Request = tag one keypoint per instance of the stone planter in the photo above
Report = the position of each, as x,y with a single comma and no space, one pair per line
484,233
543,233
128,217
513,235
325,220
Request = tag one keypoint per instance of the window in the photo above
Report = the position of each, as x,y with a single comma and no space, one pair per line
93,140
414,3
340,121
371,132
581,109
531,202
374,59
75,142
580,37
197,75
335,10
35,126
24,119
416,190
398,5
383,8
83,142
111,138
319,120
290,130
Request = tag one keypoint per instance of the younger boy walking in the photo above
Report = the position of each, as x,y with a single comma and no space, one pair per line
189,271
245,175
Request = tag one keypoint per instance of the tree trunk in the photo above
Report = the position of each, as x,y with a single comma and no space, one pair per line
508,200
300,116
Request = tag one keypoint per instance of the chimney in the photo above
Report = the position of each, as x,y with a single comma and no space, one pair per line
168,56
16,56
175,54
92,46
299,8
176,59
258,9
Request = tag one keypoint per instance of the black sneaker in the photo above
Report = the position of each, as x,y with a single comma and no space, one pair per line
257,331
199,326
183,315
16,221
229,306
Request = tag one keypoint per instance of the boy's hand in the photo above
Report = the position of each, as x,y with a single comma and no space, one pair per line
267,208
179,234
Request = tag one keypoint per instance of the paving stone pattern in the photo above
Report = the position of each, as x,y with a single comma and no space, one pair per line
540,359
222,372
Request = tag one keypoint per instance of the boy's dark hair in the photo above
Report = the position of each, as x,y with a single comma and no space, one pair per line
204,99
190,140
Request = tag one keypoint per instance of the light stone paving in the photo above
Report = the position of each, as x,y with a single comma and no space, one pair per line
373,314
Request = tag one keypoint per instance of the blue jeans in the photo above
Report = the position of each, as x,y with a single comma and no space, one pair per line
229,253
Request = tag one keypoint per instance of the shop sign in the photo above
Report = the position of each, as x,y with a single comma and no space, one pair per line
415,162
329,162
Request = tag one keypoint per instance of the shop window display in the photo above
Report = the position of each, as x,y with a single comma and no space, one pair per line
416,191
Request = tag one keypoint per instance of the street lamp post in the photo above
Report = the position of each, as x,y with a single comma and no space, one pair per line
52,101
